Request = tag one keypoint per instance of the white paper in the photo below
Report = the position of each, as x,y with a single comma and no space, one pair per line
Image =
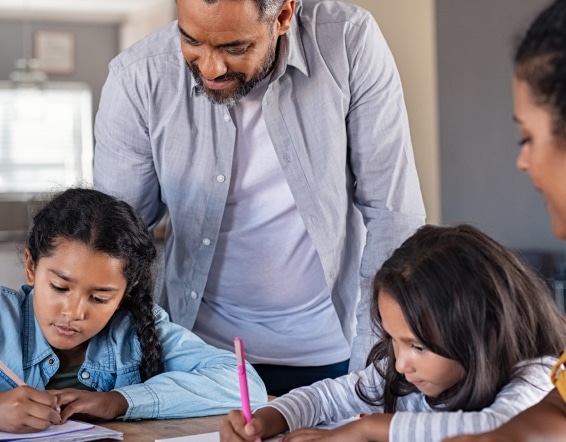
206,437
215,437
70,431
53,430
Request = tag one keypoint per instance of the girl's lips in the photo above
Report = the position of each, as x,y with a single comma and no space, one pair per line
66,331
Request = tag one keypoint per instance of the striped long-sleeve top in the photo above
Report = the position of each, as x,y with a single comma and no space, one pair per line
332,400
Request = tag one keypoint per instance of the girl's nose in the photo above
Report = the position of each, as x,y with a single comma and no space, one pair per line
402,363
74,308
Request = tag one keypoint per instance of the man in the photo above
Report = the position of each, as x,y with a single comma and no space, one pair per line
275,133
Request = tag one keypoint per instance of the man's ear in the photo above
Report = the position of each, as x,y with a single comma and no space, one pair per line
29,267
285,17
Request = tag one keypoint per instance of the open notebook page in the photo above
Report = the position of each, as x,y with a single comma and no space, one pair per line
69,431
215,437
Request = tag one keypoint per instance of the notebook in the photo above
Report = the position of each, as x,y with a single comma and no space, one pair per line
207,437
215,437
69,431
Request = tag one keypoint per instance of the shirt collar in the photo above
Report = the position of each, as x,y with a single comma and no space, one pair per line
291,45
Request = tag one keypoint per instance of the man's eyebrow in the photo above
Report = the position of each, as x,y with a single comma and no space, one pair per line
222,45
182,31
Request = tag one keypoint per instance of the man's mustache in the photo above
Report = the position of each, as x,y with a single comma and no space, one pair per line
225,77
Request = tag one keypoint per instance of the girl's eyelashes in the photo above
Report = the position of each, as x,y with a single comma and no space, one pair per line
94,299
99,300
418,347
57,288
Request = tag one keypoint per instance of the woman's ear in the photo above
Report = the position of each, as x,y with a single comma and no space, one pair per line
29,267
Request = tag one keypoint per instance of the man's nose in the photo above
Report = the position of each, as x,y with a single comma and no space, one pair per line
211,65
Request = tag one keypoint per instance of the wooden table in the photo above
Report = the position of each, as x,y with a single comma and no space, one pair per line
150,430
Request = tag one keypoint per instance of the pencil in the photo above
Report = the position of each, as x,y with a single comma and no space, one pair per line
11,374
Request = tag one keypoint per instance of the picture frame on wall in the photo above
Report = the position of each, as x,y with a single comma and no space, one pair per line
55,51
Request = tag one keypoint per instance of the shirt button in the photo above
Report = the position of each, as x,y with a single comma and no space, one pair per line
206,241
51,361
227,118
220,178
194,295
85,375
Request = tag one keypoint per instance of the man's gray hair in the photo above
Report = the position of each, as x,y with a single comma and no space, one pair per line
268,9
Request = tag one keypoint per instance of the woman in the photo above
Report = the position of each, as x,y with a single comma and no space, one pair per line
539,88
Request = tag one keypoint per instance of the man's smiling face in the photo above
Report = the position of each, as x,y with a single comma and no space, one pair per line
227,45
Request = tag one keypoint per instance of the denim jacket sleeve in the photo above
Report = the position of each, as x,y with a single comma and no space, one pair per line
198,379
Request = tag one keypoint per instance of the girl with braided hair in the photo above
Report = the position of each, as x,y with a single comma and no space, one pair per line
85,335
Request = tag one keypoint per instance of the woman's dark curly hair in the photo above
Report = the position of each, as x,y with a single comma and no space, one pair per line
106,225
540,61
467,298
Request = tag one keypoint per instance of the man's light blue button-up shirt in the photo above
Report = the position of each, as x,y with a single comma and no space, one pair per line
335,113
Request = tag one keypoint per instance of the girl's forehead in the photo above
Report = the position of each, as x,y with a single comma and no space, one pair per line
75,257
392,319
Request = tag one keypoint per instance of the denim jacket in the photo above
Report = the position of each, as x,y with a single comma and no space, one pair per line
197,379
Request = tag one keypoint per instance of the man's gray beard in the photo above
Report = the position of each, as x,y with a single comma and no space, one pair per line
243,88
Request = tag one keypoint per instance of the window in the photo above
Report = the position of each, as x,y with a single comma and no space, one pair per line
46,140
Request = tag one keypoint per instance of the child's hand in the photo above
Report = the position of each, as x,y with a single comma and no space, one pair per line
90,405
339,434
233,427
265,422
371,427
27,410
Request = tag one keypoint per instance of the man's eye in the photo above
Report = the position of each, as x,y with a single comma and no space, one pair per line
191,42
236,51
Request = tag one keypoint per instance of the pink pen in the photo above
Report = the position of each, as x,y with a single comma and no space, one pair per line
241,362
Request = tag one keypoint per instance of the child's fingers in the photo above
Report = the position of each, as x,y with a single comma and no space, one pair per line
233,428
254,430
41,397
25,409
